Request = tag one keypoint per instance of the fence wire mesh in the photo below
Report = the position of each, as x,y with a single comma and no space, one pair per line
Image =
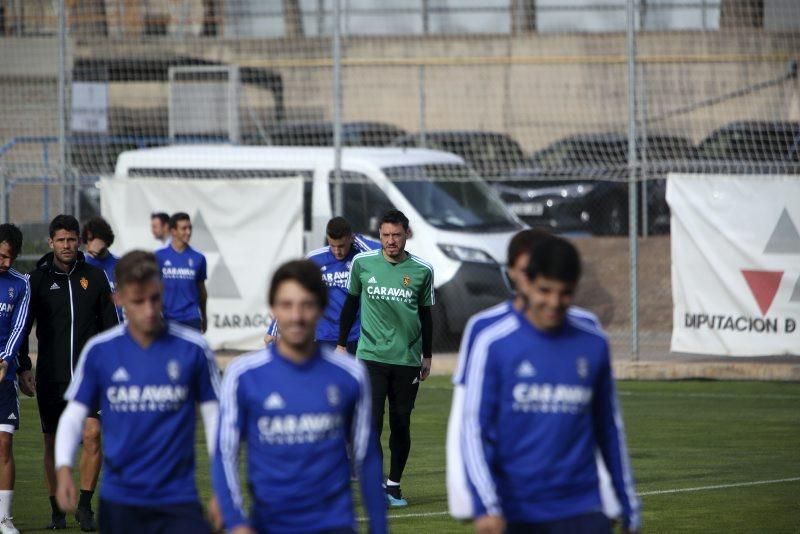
532,94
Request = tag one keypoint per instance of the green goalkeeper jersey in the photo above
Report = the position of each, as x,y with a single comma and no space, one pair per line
391,294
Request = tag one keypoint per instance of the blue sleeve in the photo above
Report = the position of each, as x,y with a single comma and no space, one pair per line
610,432
481,403
225,467
85,385
272,329
364,243
207,381
19,319
201,270
367,457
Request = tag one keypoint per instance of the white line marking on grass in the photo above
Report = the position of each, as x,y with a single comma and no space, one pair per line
767,396
642,494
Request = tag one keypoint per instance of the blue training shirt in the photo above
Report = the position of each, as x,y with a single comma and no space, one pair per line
536,406
107,265
296,420
181,272
15,297
148,398
335,274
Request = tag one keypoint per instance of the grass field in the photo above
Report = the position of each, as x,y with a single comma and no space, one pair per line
708,457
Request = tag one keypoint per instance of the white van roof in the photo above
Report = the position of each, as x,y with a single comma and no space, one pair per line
271,157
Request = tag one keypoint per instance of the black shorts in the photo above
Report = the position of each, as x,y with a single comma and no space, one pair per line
398,383
118,518
9,406
50,397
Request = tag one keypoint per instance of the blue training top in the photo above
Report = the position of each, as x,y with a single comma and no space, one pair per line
181,272
297,420
536,406
148,398
107,265
335,274
15,297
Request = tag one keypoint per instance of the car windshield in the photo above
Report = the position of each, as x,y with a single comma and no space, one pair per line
452,197
571,153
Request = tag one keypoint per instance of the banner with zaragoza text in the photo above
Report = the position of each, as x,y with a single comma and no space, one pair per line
245,228
735,264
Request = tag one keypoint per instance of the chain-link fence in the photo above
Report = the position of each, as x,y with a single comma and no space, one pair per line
567,112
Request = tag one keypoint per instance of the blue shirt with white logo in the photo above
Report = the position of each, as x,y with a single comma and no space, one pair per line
536,406
297,420
148,397
15,295
181,272
335,274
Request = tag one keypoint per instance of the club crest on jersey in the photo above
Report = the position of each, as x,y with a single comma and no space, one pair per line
11,293
582,365
84,283
406,280
334,397
173,370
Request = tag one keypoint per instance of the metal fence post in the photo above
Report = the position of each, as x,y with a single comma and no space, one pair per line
62,105
338,193
632,203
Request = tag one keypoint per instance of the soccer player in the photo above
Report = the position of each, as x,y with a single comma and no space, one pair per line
296,405
159,226
539,400
148,377
334,261
14,299
183,270
70,302
394,289
518,256
97,236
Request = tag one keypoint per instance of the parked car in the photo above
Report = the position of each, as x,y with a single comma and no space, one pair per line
491,154
579,183
375,134
753,141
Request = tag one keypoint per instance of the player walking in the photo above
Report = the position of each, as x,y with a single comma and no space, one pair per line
147,376
394,289
296,405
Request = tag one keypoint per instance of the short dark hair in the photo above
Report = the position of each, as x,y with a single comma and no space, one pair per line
304,272
9,233
394,216
97,228
64,222
523,241
338,227
135,267
176,217
161,216
554,257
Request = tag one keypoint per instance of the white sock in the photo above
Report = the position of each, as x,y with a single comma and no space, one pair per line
6,496
391,483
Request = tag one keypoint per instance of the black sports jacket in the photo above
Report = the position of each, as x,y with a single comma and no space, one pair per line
68,309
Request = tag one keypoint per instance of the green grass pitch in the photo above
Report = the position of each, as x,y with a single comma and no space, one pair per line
708,457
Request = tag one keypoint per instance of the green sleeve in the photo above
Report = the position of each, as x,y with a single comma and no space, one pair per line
428,297
354,282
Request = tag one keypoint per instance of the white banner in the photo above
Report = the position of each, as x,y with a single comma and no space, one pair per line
735,264
245,229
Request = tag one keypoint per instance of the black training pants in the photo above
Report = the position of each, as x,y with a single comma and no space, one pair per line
400,384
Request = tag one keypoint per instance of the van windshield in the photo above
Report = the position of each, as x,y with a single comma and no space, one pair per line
452,197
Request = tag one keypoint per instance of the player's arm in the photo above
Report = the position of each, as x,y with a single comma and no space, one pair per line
225,466
207,385
272,332
350,307
27,382
108,312
367,458
19,320
481,403
81,393
610,432
203,298
426,326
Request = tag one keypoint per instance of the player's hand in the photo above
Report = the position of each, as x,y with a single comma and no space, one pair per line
342,349
3,369
268,339
242,529
425,372
490,524
27,383
66,496
214,515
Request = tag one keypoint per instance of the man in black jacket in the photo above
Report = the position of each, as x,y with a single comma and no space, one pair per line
70,302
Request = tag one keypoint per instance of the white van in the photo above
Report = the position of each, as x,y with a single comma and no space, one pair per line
458,222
